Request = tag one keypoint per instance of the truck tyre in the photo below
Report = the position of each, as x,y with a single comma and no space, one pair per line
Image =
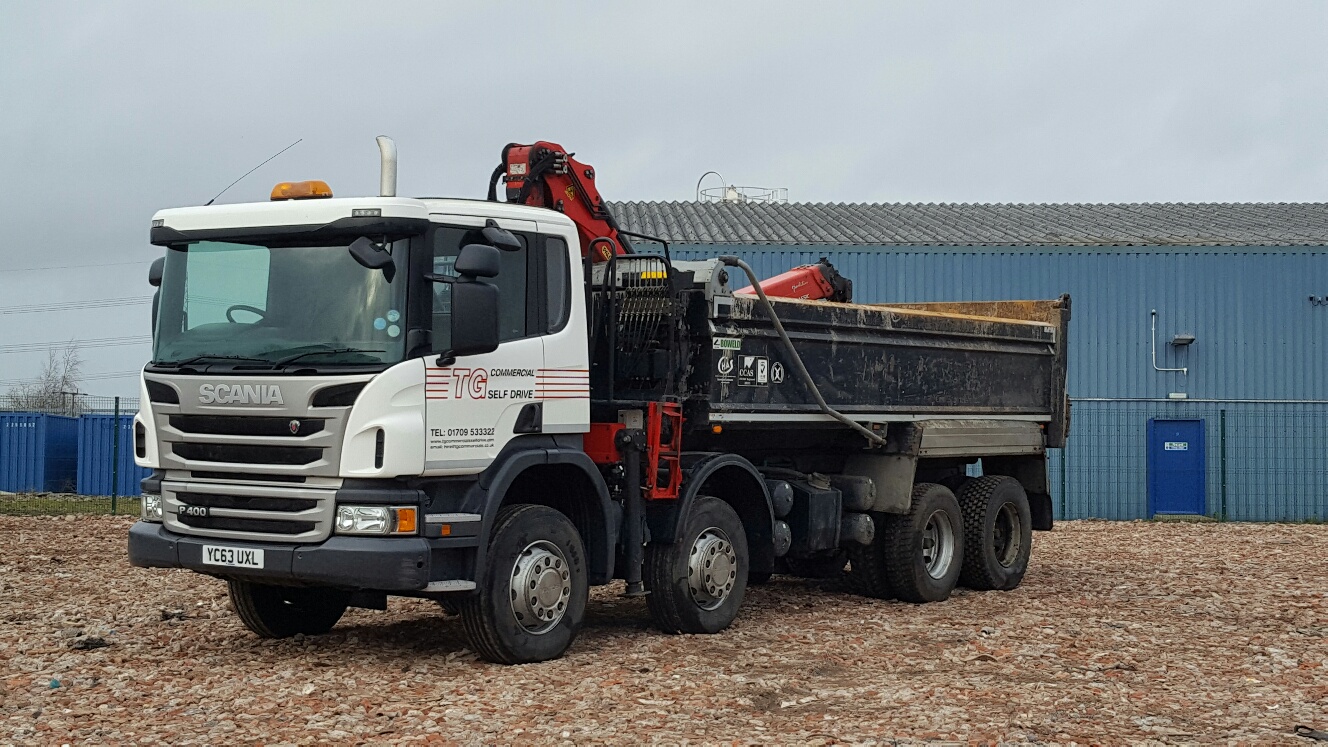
531,598
866,571
697,583
282,611
955,482
998,533
818,567
922,552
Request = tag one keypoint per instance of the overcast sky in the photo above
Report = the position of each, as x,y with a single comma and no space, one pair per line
110,111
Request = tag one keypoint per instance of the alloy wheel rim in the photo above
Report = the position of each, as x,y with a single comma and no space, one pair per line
712,568
1008,535
938,542
541,586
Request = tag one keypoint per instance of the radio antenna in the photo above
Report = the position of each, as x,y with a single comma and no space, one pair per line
250,171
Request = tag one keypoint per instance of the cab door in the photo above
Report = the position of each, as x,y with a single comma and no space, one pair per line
479,403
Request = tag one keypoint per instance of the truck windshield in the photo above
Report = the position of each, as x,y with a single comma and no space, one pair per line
251,305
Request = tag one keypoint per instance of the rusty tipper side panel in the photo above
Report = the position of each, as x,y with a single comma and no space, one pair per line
1055,313
888,363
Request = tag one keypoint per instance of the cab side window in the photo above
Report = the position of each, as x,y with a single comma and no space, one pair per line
511,281
558,291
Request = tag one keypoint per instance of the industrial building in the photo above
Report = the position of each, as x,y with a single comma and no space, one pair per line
1199,338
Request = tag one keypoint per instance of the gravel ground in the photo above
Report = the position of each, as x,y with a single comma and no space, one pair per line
1122,632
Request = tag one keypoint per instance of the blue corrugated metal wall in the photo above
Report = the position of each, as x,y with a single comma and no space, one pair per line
97,472
1265,461
37,452
1257,335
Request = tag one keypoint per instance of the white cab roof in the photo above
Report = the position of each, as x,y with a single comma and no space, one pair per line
318,212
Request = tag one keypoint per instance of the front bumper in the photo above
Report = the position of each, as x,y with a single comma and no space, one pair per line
377,563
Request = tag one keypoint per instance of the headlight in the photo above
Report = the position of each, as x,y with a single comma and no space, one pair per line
151,507
381,520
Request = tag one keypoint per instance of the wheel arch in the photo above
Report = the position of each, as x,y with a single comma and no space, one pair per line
526,476
732,479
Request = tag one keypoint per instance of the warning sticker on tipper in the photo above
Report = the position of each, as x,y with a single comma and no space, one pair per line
753,370
1176,446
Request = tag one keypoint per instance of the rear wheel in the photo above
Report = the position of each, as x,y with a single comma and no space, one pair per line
866,572
922,552
697,583
998,533
531,598
282,611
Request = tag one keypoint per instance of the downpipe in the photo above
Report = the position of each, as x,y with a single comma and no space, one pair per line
387,172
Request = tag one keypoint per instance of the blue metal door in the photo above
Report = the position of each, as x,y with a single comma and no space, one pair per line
1176,467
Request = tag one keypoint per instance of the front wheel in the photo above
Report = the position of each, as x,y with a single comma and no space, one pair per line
697,583
531,598
282,611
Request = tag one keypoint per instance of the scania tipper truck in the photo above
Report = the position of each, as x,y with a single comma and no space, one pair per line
497,404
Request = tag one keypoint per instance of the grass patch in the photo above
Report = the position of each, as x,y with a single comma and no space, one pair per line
59,505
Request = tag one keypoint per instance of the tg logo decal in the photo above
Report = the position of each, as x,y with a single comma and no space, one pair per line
470,383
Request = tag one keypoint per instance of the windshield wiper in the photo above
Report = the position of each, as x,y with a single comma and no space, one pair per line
330,351
197,358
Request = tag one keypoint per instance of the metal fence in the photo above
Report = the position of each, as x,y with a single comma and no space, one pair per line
1261,460
69,404
100,478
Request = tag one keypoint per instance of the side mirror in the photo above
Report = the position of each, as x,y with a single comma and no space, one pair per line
155,271
474,302
373,257
500,237
474,319
478,261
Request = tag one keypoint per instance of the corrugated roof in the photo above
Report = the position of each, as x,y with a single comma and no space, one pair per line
915,224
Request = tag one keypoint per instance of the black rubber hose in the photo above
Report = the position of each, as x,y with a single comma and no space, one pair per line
732,261
493,181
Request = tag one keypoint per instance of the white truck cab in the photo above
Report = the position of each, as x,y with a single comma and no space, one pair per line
294,393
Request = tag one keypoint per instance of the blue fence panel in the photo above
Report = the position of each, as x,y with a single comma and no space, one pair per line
1277,462
38,453
97,472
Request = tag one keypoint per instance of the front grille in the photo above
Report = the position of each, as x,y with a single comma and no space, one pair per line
244,425
245,476
251,503
266,526
247,453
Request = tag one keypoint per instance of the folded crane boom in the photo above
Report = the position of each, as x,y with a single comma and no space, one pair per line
544,174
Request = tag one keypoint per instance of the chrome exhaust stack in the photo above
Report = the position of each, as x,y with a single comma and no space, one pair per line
387,175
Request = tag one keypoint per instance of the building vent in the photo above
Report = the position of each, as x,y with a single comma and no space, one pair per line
734,193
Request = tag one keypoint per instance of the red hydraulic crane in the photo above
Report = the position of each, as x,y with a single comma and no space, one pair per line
544,174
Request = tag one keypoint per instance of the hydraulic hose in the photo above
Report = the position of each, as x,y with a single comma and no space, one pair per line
806,376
